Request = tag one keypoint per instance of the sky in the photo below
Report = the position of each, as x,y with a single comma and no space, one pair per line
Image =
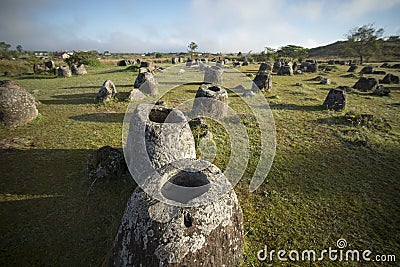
169,26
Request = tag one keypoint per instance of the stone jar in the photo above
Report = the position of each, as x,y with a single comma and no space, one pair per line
107,92
211,100
213,75
157,135
154,232
146,82
262,81
64,71
17,106
336,99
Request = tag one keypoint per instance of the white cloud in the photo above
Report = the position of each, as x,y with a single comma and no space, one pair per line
357,8
216,25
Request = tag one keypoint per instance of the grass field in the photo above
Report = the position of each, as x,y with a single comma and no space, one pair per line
330,178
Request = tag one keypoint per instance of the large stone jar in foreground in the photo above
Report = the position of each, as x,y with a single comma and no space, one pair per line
199,232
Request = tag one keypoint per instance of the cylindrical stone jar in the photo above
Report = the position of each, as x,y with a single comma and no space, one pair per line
211,100
157,136
213,75
195,220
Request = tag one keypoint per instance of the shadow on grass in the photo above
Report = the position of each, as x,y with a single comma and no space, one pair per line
97,87
182,84
337,120
282,106
74,99
393,88
100,117
29,76
47,215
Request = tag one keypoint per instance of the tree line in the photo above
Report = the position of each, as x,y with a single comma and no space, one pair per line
361,42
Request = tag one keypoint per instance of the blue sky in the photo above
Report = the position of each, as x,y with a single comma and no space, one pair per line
169,26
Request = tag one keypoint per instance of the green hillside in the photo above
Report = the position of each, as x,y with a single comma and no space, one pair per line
390,51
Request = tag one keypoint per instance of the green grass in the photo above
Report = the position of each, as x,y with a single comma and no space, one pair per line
324,183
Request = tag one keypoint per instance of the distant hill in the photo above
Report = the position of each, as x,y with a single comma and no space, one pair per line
390,51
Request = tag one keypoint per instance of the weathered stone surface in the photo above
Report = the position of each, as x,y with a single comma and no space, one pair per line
381,91
174,60
38,68
366,84
148,65
78,70
154,233
294,67
266,66
17,107
211,100
146,82
124,62
336,99
309,66
219,63
135,94
106,163
313,67
367,70
10,84
106,92
157,136
64,71
286,69
262,81
352,68
213,75
49,65
277,66
389,79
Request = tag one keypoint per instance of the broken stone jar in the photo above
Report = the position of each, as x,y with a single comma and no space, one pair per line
194,220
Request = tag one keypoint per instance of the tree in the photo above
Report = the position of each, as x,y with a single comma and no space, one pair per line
79,57
192,48
269,52
19,48
292,52
363,41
